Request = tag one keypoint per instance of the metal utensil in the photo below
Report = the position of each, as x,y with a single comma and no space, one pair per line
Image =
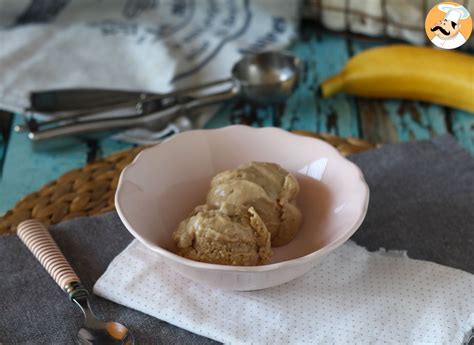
80,99
264,78
88,99
270,63
94,331
145,105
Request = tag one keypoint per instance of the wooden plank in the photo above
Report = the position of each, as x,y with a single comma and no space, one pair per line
392,121
239,112
25,170
376,126
323,55
462,124
109,146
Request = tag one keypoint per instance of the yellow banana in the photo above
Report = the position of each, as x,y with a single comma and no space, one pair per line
408,72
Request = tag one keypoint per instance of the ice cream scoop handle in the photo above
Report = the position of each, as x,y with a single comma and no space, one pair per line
38,240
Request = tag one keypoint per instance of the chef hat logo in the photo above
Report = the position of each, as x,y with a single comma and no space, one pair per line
454,12
448,25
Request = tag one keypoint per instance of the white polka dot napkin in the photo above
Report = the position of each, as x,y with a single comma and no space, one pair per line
353,296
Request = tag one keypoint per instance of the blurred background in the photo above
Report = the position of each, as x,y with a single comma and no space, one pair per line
158,46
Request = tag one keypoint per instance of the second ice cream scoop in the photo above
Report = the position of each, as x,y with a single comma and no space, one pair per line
229,235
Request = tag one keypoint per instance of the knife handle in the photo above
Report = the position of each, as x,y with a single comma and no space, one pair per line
80,99
38,240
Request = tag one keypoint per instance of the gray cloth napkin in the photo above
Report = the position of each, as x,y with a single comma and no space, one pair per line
421,201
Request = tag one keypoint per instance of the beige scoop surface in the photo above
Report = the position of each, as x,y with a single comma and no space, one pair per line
227,236
268,188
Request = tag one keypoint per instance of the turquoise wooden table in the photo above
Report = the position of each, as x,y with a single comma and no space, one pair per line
324,53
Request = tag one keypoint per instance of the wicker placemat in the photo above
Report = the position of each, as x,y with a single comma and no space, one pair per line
90,190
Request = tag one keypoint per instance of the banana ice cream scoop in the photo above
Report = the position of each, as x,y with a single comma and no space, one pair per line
230,235
266,187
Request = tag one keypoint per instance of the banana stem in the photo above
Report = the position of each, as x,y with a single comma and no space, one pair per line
332,85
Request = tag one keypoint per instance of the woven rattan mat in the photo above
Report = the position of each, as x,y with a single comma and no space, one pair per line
90,190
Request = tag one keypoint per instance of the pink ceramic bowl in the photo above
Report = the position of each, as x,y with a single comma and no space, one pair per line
165,182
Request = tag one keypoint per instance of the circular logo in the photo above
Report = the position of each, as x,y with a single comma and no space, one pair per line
448,25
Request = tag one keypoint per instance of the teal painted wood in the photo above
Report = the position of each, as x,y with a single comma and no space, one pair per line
237,113
323,55
25,171
463,128
416,121
109,146
223,117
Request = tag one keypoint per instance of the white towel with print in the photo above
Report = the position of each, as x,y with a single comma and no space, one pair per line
132,44
352,297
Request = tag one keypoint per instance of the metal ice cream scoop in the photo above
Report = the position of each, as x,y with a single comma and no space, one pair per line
265,78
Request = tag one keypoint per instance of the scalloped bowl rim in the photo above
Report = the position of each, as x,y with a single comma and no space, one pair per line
288,263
